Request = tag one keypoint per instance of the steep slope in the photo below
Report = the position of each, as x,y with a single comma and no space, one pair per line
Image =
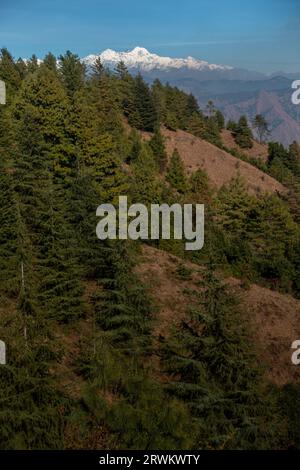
220,166
272,318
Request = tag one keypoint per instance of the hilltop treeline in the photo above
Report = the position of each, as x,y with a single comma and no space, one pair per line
70,140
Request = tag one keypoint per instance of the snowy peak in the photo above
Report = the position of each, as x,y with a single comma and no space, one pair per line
141,59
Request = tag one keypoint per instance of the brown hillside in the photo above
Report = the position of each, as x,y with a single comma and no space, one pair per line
220,166
259,151
272,318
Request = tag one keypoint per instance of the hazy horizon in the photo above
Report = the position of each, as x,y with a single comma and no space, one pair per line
257,37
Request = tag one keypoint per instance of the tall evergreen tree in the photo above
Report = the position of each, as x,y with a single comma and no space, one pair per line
243,134
144,115
156,143
176,174
72,73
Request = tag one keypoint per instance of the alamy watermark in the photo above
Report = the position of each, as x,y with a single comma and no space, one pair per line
296,94
164,221
2,353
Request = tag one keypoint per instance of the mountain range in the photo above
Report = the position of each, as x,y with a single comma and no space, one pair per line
235,91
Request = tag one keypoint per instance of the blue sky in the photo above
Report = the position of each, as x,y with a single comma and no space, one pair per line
259,34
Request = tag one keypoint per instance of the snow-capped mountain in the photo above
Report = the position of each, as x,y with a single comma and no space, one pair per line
143,60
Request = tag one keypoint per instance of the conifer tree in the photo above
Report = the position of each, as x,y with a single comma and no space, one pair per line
40,112
72,73
158,148
9,73
32,410
159,100
135,146
220,119
125,86
32,64
98,69
50,62
176,174
145,187
144,115
243,134
122,308
60,290
213,371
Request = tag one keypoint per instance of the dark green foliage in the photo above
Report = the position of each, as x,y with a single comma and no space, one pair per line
176,174
231,125
220,120
32,64
145,187
60,290
72,72
285,161
262,239
135,146
32,410
125,89
122,309
8,235
50,62
158,148
206,127
122,397
65,148
98,70
143,115
9,73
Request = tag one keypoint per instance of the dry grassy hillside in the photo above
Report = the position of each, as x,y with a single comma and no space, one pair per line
272,318
220,166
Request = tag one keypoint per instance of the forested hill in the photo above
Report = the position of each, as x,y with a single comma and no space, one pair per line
88,364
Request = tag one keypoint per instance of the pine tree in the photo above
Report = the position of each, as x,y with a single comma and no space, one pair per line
32,410
220,119
50,62
196,125
98,69
32,64
9,73
200,190
122,309
72,72
60,290
135,146
145,186
144,115
40,112
176,174
9,256
213,371
159,100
